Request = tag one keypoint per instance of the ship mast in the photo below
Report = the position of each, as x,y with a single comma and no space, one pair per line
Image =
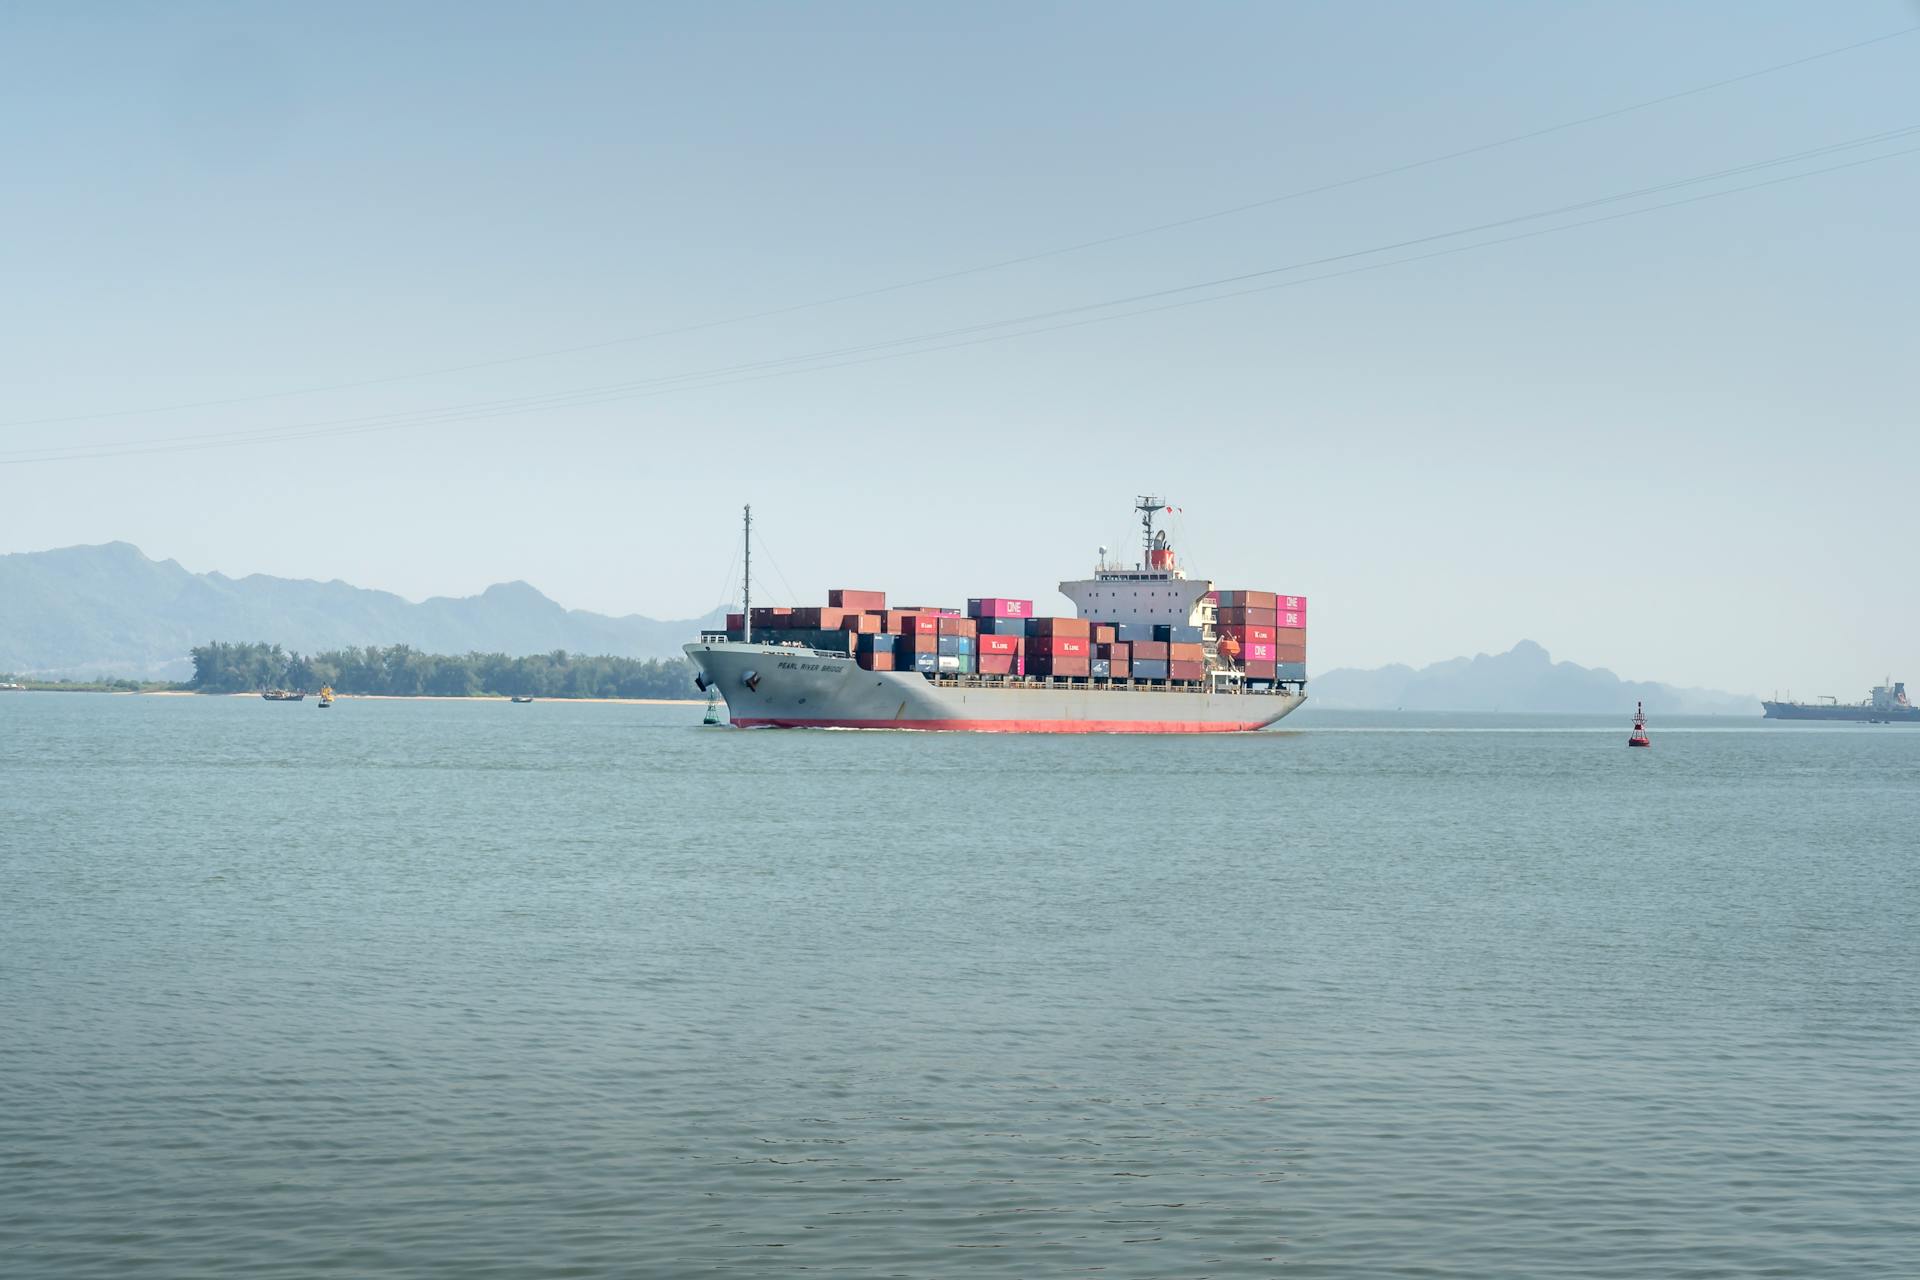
1147,504
746,576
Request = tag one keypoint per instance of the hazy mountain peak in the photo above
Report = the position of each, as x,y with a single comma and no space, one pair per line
108,609
1525,678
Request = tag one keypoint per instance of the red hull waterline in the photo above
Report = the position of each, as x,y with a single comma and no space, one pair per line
1014,726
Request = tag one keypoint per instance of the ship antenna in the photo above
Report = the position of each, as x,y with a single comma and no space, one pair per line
1147,504
746,576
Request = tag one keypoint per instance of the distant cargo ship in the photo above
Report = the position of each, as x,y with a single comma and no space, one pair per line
1887,704
1150,650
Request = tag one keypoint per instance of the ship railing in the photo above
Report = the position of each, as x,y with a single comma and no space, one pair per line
1044,684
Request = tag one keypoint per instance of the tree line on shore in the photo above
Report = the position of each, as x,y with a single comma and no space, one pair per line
241,667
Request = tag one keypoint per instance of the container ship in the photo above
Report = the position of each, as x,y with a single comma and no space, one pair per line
1887,704
1148,650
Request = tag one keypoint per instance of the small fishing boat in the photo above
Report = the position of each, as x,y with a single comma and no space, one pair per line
521,697
283,695
1639,736
326,696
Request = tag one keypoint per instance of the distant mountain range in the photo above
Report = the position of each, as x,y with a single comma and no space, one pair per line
110,611
1525,678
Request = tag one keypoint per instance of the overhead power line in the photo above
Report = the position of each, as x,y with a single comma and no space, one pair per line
1001,264
970,335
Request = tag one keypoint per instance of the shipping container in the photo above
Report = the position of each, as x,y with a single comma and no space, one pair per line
1119,667
1079,627
1180,651
1151,650
771,618
1290,671
864,623
877,642
998,644
1176,633
914,642
1186,670
1131,631
1100,668
831,641
954,644
1058,667
1289,653
874,660
1149,669
1257,651
1059,647
998,607
900,621
1259,671
1103,633
1292,618
921,662
736,622
1249,600
1115,650
949,663
1241,617
861,601
1248,633
955,626
995,664
1000,626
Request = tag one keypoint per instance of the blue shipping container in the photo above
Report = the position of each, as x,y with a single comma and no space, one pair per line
926,662
1151,669
1128,632
1290,671
1101,667
1002,626
953,645
872,643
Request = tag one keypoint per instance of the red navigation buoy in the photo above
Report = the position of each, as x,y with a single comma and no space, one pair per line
1639,737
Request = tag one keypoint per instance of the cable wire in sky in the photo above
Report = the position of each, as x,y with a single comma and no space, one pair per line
923,343
1001,264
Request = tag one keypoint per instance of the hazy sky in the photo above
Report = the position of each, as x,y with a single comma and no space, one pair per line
1676,443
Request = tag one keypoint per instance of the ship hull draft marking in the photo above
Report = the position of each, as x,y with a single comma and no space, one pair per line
806,688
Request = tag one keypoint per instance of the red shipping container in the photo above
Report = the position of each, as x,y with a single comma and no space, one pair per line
1186,651
1186,670
1249,600
864,623
995,664
1292,604
1008,645
1104,634
1289,653
1062,667
841,598
901,622
1149,650
736,621
1292,618
1060,647
956,626
916,642
1237,616
1113,649
875,660
1260,670
772,619
998,607
1119,668
1248,633
1079,627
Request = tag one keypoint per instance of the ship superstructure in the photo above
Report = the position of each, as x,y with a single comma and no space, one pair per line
1149,650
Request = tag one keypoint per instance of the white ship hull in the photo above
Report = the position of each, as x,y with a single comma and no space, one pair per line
774,686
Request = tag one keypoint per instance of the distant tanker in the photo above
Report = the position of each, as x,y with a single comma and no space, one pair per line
1887,705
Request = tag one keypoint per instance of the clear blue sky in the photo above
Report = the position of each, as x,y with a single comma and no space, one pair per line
1677,444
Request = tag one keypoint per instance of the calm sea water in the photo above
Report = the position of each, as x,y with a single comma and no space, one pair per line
473,989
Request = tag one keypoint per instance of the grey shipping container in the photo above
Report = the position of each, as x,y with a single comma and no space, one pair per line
1290,671
1102,668
1151,669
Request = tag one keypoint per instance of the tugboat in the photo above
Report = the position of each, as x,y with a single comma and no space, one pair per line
1639,736
283,695
326,696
